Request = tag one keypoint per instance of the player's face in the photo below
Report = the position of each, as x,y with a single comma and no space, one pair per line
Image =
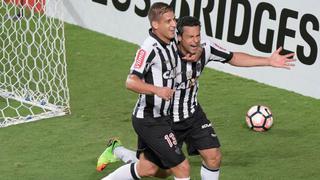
166,26
190,39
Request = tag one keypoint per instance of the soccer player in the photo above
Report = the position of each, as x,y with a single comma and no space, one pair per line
190,122
152,76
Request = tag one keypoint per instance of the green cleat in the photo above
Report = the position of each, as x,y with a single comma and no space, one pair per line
107,156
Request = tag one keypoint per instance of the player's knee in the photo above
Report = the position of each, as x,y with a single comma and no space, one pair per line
185,167
213,161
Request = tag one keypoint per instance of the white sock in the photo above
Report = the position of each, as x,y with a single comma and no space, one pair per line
126,155
125,172
209,174
175,178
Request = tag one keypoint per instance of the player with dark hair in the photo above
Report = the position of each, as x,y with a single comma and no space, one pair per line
190,122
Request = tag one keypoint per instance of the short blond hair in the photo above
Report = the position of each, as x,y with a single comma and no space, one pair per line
157,10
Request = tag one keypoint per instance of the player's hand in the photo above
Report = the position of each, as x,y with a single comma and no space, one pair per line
282,61
164,93
193,57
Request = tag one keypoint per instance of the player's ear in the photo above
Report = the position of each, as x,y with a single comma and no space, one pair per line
179,37
155,24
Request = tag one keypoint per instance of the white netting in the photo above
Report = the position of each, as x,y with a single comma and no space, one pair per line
33,77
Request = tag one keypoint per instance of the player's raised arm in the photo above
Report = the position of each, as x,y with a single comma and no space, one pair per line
275,60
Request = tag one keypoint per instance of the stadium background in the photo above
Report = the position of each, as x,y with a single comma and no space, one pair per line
67,147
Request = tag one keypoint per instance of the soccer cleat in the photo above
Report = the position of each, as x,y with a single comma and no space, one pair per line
107,156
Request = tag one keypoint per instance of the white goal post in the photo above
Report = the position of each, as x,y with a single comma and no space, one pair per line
33,72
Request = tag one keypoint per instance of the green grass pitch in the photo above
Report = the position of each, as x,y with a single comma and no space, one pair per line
67,148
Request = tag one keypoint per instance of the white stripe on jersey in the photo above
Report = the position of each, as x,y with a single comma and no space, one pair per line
138,108
167,104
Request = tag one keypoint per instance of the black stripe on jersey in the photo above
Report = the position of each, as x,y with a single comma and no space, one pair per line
164,81
203,59
169,57
184,78
222,54
175,53
150,58
194,75
194,69
190,100
149,98
181,100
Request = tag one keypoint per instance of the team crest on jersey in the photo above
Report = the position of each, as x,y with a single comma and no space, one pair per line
140,58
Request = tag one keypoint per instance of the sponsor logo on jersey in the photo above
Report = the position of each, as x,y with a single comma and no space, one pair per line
206,126
186,84
170,74
213,135
140,58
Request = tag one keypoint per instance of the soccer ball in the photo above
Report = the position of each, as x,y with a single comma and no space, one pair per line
259,118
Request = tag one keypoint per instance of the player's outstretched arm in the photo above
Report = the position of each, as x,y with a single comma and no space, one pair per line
281,61
275,60
135,84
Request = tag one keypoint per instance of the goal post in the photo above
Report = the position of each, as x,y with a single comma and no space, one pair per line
33,72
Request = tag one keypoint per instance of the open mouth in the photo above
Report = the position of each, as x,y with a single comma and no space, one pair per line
194,47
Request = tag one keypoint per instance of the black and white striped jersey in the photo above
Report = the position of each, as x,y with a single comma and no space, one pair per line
155,64
187,85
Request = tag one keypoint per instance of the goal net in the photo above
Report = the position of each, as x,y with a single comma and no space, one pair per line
33,76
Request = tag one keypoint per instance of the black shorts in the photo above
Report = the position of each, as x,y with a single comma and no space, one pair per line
157,141
197,132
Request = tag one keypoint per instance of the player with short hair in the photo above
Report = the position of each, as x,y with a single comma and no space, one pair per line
152,75
190,122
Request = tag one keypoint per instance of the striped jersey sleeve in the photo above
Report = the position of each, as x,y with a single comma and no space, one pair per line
215,52
143,60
